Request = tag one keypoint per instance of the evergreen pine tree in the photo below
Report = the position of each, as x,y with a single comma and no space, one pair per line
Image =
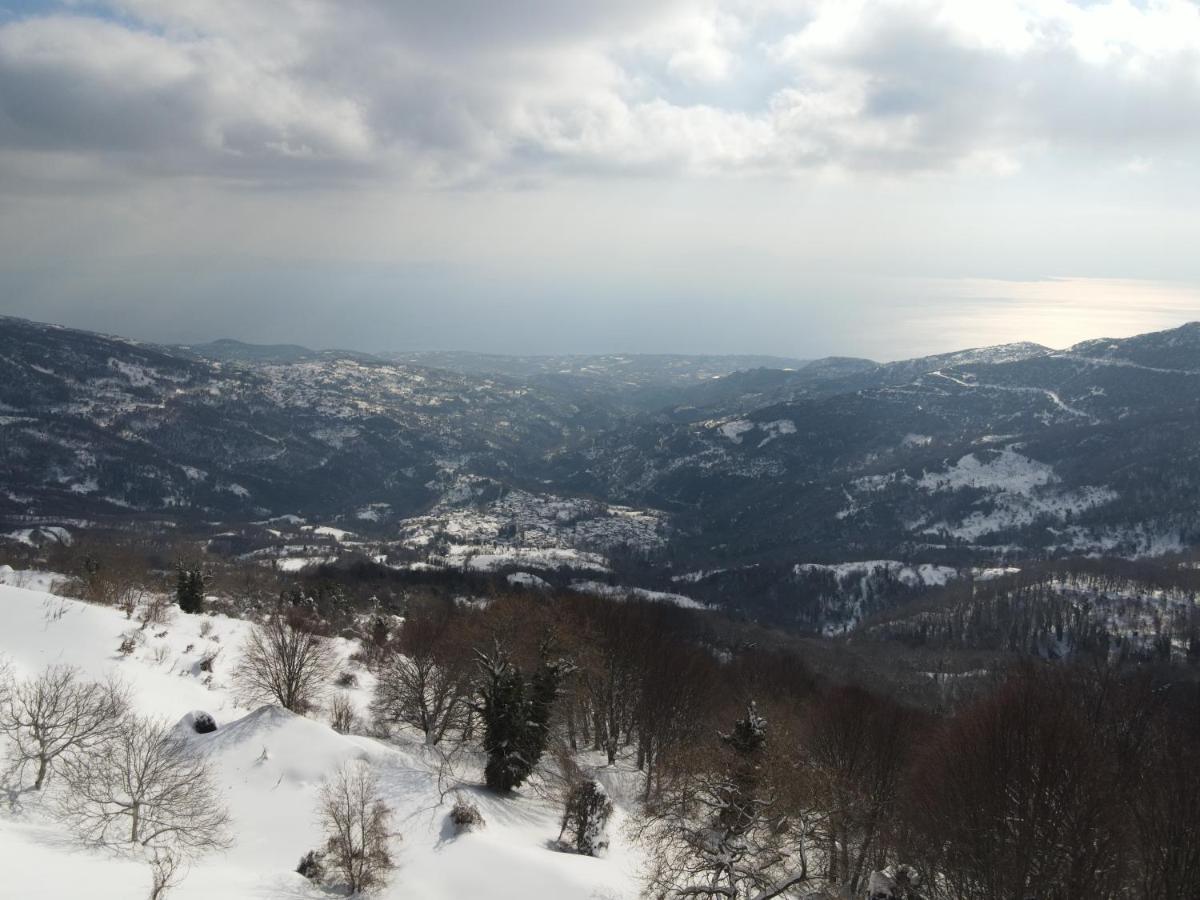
515,715
189,589
543,690
502,708
585,818
740,806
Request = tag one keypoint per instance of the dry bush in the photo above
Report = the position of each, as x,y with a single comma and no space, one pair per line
342,717
155,610
465,816
357,827
166,871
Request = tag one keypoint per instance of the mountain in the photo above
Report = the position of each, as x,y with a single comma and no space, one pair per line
634,382
662,466
96,426
747,390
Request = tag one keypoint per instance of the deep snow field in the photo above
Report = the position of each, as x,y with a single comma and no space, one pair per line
269,765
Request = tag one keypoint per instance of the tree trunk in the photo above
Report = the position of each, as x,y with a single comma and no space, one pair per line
571,726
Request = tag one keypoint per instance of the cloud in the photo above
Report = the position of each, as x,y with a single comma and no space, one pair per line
458,92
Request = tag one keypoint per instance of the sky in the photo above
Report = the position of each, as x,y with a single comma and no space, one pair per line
799,178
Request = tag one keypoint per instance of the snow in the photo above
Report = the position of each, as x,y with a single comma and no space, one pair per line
372,512
994,572
479,559
527,579
775,429
617,592
337,534
1023,491
735,429
920,573
518,519
1009,471
1018,510
269,765
137,376
34,536
296,563
699,575
31,579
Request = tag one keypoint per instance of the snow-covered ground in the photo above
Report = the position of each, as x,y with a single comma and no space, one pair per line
269,765
1022,491
858,582
916,574
617,592
467,517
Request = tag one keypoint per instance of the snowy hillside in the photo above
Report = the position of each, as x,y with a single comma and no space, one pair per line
622,470
269,765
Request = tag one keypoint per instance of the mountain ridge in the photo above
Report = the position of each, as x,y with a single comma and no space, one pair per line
966,458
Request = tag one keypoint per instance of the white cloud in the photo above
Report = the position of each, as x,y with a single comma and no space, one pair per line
458,91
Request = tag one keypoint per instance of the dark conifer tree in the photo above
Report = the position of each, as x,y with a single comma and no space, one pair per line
189,589
515,715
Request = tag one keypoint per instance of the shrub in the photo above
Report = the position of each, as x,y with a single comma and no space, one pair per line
312,866
342,717
465,816
203,723
585,818
357,826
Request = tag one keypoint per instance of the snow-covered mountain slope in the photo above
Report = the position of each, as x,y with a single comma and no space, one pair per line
1127,612
970,458
269,765
95,426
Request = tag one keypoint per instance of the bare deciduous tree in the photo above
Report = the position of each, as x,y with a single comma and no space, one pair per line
856,748
421,692
143,786
357,826
716,834
425,681
55,714
285,664
1017,797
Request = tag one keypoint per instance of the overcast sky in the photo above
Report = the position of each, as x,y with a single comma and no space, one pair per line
779,176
